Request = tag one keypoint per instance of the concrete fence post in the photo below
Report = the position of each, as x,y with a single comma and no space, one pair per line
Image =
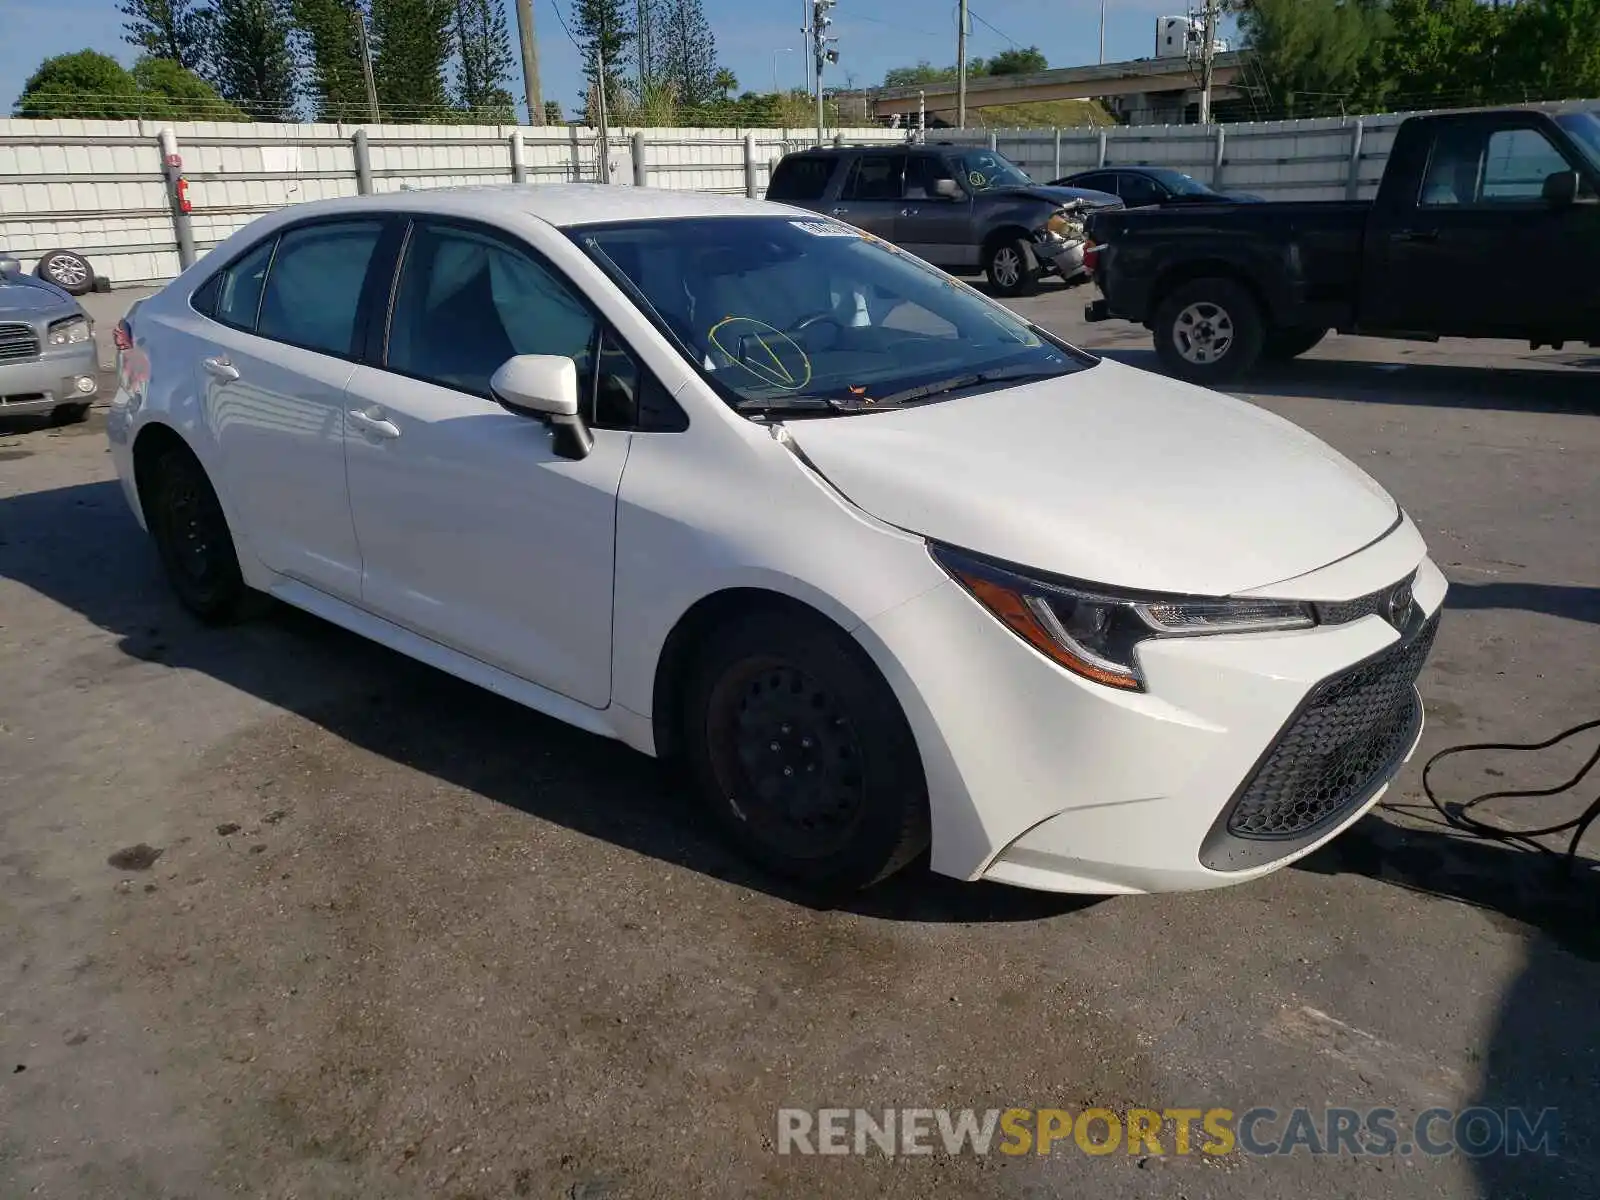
994,140
752,187
1057,174
577,154
1100,159
363,157
519,157
641,169
838,140
172,172
1352,183
1216,162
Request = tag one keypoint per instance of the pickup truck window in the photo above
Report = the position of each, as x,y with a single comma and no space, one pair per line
1517,164
875,177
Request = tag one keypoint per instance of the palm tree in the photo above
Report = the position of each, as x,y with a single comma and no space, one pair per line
725,82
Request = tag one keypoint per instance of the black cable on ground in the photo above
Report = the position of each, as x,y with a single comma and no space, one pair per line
1460,816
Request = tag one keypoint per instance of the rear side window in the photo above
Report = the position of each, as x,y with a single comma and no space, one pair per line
315,285
876,177
801,177
233,294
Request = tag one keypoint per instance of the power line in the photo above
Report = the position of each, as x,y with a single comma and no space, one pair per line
973,13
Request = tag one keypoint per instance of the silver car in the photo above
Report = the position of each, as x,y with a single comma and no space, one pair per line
48,360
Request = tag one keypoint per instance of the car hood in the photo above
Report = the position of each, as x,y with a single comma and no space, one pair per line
25,297
1055,195
1112,476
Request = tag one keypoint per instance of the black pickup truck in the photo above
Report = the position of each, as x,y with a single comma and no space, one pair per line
1486,224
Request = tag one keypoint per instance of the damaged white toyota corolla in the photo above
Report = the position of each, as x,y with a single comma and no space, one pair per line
886,566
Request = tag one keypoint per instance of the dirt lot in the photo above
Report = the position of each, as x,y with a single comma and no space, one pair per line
285,915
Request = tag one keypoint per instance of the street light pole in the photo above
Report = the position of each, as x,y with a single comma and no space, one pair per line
961,67
775,53
1102,32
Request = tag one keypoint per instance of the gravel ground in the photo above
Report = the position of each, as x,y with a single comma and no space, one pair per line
283,914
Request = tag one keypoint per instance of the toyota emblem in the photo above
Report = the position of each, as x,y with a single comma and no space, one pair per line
1400,605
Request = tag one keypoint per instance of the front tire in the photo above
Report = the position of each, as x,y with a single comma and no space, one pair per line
1011,268
192,536
1209,331
802,753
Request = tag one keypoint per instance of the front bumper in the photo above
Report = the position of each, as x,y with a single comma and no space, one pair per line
1041,779
42,384
1062,258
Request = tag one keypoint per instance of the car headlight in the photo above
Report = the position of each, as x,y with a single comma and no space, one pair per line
69,330
1095,633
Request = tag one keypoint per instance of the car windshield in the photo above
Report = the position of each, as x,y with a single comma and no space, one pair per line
1584,128
789,314
1182,185
985,169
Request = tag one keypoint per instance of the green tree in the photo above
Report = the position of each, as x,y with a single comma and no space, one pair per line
725,82
91,84
413,45
1317,56
1018,62
328,44
926,72
553,114
690,53
605,33
253,63
1548,50
484,65
173,29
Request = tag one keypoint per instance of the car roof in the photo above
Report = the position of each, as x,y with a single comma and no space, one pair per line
564,205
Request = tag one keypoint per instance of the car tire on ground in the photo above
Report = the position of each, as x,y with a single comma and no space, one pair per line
68,270
1281,345
801,751
1208,331
1011,268
68,414
192,536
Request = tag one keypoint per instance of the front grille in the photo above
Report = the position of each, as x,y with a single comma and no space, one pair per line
1348,736
17,342
1392,603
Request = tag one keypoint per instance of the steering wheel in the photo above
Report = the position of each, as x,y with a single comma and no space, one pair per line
820,317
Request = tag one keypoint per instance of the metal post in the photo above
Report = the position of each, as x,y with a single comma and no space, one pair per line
752,186
641,173
1100,159
1057,175
1216,162
1102,32
530,62
172,171
363,157
577,154
603,141
961,67
519,157
1352,183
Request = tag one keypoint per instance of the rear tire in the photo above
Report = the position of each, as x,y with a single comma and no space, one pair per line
1209,331
1011,268
196,547
1281,345
802,753
68,414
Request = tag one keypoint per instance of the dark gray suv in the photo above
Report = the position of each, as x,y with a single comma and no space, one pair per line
958,207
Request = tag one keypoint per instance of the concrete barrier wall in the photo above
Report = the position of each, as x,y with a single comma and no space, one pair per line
98,186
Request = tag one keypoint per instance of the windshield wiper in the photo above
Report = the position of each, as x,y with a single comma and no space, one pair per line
971,379
794,406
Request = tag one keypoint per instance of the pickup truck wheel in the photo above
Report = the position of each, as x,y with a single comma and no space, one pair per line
1280,345
1209,331
1011,268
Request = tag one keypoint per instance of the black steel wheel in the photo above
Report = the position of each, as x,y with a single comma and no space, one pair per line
802,752
192,537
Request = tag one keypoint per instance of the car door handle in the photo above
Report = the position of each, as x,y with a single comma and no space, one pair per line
377,426
221,368
909,212
1414,235
838,212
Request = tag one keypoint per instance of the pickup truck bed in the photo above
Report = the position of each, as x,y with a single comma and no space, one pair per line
1486,224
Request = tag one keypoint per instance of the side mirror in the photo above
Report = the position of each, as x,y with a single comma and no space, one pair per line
1561,189
948,189
9,265
545,387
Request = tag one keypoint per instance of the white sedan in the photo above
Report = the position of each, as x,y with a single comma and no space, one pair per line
886,566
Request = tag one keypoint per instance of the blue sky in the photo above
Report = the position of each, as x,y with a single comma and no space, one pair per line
875,35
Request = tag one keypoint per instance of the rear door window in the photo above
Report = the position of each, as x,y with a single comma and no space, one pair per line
314,287
1138,189
876,177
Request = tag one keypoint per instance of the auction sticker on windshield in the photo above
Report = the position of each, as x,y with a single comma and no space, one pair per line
825,229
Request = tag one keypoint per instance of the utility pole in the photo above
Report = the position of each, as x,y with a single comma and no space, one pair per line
1102,32
530,62
603,141
961,68
366,63
822,54
1208,54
